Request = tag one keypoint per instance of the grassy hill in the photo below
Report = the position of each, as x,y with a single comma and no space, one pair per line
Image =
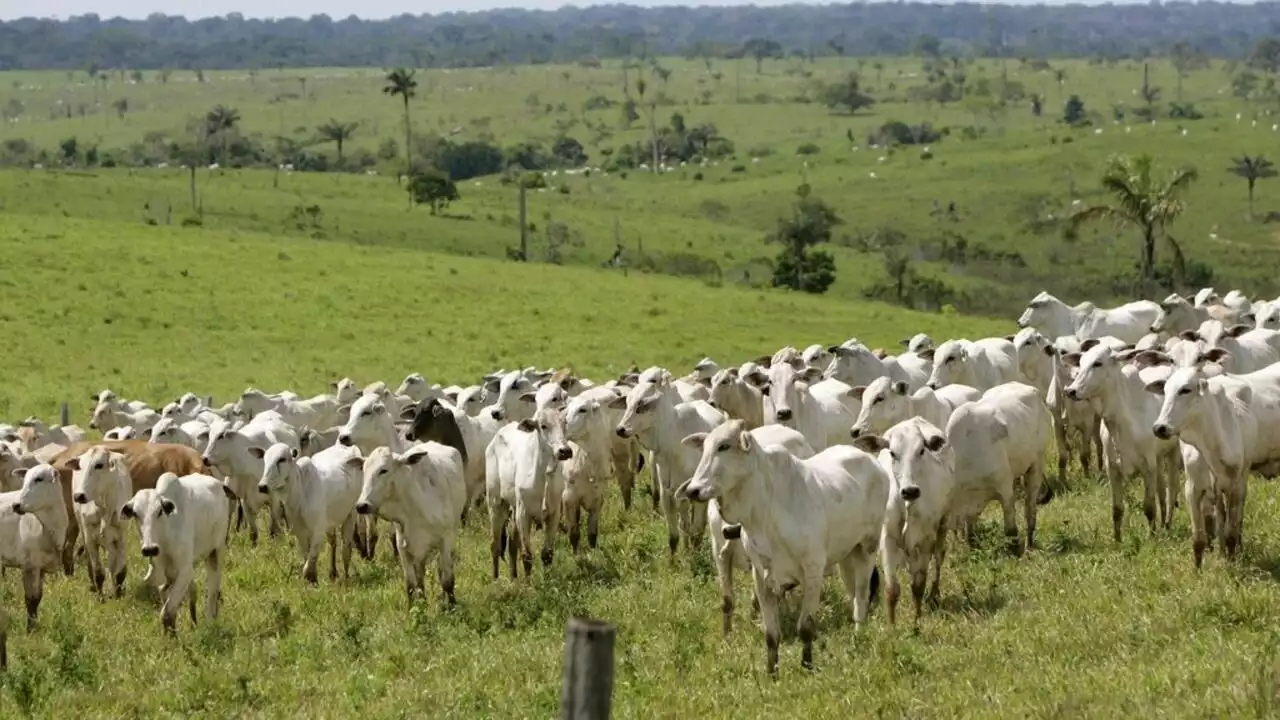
1013,177
1082,627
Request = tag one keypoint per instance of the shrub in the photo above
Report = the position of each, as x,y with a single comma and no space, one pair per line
808,149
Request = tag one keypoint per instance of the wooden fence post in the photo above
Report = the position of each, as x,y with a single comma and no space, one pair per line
587,692
64,414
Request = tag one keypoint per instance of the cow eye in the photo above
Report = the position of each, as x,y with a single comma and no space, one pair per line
1185,391
99,466
280,461
383,471
893,455
366,413
722,447
920,452
1095,366
544,426
876,400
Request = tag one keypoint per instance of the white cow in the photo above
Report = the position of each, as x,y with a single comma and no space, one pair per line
192,433
1053,318
736,397
654,414
100,485
1035,358
33,529
983,364
229,450
184,520
110,398
1233,422
109,415
886,403
997,440
1178,315
35,434
590,422
521,478
1247,348
319,411
318,495
916,343
922,465
1116,388
822,412
854,364
422,492
797,517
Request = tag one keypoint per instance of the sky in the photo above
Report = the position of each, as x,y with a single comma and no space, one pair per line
372,9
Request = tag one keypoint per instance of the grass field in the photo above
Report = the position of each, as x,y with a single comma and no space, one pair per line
1080,628
1012,176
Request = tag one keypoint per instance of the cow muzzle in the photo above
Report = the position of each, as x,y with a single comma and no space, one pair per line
622,432
1162,431
911,492
1073,393
856,431
18,509
564,453
262,488
80,498
784,414
93,425
344,440
150,551
363,508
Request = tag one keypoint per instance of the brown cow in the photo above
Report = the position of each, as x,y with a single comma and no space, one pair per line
147,462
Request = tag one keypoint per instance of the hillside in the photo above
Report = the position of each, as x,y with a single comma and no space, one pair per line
1081,627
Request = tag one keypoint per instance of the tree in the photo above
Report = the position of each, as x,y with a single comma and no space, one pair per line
219,122
434,188
401,82
761,49
1244,84
798,265
70,150
189,155
846,93
1252,169
927,46
1145,201
338,132
1185,60
121,106
1073,112
1265,55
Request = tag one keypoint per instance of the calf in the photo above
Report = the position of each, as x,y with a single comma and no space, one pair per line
33,531
100,486
997,440
422,492
318,495
797,516
520,464
886,403
192,433
229,450
1117,389
983,364
1233,423
922,466
590,422
736,397
34,434
184,520
433,420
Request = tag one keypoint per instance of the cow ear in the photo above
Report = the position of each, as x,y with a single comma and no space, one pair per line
294,453
1189,335
935,443
126,510
415,455
1010,337
904,342
745,441
870,443
408,412
231,494
1072,359
1155,387
618,403
1216,355
355,461
857,391
1238,330
527,425
258,452
1147,358
810,375
695,440
926,353
529,397
167,507
764,360
73,464
343,409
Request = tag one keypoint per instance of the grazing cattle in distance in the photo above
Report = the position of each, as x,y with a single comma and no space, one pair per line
1053,318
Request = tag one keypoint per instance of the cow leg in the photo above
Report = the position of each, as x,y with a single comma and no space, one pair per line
1064,446
93,559
69,549
524,529
550,528
1235,490
411,578
251,519
573,518
723,559
213,585
333,553
117,562
371,535
1031,485
671,513
892,557
769,615
1150,495
1005,485
807,626
593,524
444,568
348,543
939,555
33,588
1117,478
174,595
497,533
1197,504
1169,463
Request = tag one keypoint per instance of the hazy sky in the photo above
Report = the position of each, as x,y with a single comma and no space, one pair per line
335,8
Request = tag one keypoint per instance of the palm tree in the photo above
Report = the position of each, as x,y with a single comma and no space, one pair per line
1252,169
1145,201
400,82
220,121
338,132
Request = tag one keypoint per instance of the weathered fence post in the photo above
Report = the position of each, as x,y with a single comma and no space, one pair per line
208,400
587,693
64,415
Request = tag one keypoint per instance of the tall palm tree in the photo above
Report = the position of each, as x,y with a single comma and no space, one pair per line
220,121
338,132
400,82
1252,169
1143,200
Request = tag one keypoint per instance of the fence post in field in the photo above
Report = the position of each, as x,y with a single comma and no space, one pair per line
208,400
524,226
64,415
587,692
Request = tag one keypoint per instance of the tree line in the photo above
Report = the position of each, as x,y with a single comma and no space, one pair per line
571,34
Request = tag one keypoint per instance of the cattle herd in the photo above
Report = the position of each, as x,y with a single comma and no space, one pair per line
796,463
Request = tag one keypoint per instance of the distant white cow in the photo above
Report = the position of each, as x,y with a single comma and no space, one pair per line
886,403
1053,318
983,364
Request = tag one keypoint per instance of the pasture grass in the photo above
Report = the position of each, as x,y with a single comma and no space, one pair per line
1082,627
1012,176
